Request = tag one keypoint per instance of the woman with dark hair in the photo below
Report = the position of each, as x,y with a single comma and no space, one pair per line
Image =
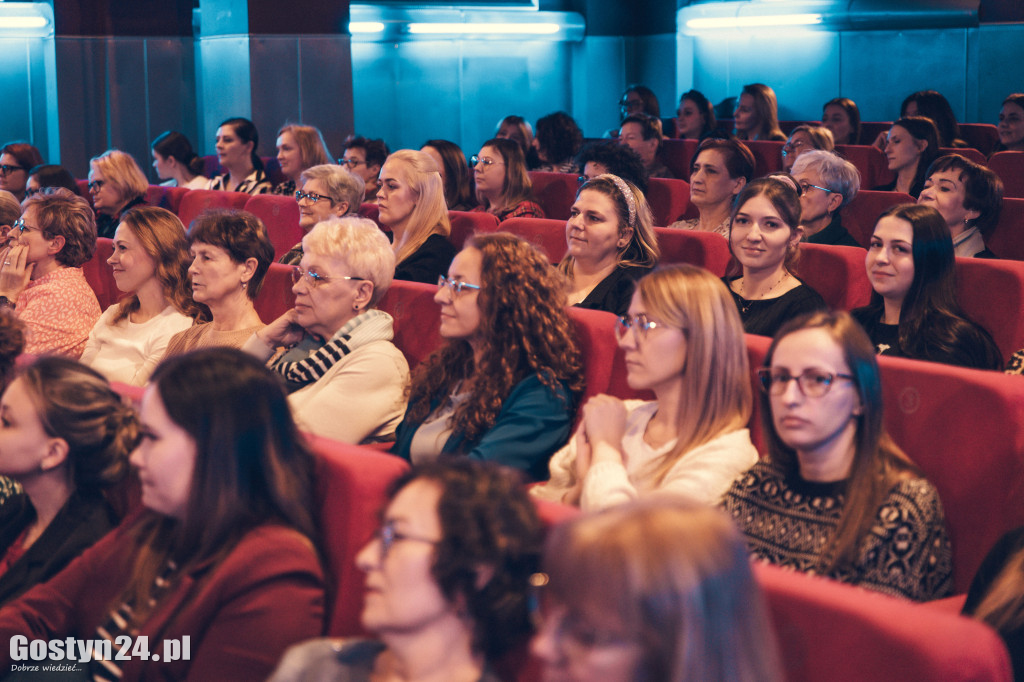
757,114
721,169
41,274
237,142
1011,124
970,199
455,174
932,104
836,496
447,578
504,387
175,161
842,117
49,175
116,184
557,140
639,99
517,129
609,157
610,244
695,118
66,437
298,147
150,265
914,310
231,254
502,183
764,237
16,160
365,158
910,148
223,552
654,590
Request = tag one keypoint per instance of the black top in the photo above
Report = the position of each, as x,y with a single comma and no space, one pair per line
614,292
997,558
766,316
106,225
915,189
834,235
428,262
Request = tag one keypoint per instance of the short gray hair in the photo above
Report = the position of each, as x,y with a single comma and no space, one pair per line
361,244
838,174
339,183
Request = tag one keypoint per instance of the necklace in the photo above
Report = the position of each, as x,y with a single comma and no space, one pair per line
745,306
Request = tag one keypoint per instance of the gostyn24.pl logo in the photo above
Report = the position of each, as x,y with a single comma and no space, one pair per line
123,648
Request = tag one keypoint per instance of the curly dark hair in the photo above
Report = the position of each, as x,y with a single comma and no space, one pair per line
558,137
618,159
487,520
526,331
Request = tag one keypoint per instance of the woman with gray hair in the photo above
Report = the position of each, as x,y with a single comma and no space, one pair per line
827,184
325,191
345,377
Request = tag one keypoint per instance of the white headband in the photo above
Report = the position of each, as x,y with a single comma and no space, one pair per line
627,194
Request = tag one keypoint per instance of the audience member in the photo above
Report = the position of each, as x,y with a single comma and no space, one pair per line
1011,124
518,129
298,147
683,341
12,343
502,183
231,254
411,203
911,146
66,440
116,184
10,211
841,116
345,377
827,184
608,156
41,272
757,114
643,135
695,118
557,141
653,590
505,384
803,139
611,243
49,175
996,594
836,496
455,174
326,191
638,99
223,552
175,161
448,581
16,160
237,145
970,199
931,104
721,169
914,310
763,238
365,158
150,264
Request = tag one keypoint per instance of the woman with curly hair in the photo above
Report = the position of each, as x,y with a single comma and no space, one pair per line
150,264
505,385
502,184
557,141
447,578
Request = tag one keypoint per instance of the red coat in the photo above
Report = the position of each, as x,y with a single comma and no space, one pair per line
241,613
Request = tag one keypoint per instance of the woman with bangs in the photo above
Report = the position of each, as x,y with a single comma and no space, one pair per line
969,197
150,264
412,206
504,387
611,243
836,496
503,186
298,147
683,341
116,184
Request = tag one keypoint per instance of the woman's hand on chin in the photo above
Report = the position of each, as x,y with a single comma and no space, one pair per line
15,271
284,331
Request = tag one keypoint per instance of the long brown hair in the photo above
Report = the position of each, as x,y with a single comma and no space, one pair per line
526,332
1003,606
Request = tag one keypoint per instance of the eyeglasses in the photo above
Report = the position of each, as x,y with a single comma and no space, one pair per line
96,185
314,279
32,191
804,186
456,286
388,536
812,383
570,630
627,103
792,146
351,163
22,228
7,169
638,323
312,196
475,161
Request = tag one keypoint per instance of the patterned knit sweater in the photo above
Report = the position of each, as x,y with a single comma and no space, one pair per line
788,521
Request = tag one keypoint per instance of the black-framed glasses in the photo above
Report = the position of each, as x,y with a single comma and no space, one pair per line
96,185
638,323
7,169
804,186
350,163
813,383
314,279
312,196
475,161
456,286
388,536
22,228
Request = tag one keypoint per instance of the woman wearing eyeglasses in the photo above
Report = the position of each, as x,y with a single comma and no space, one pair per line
365,158
345,377
298,148
505,384
231,254
16,160
447,581
836,496
116,184
692,438
502,185
804,139
326,191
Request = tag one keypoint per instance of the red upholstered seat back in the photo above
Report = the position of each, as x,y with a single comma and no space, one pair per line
767,156
465,223
195,201
966,152
280,215
669,199
99,275
555,192
1007,237
861,214
706,249
275,297
546,234
165,197
837,273
981,136
677,155
1009,166
870,161
992,294
417,319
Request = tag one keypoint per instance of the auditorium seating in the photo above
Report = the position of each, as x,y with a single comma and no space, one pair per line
417,319
198,200
869,130
1007,238
547,234
861,214
981,136
99,275
835,272
555,192
165,197
677,155
669,199
465,223
368,209
966,152
991,292
1009,166
767,156
870,161
275,297
706,249
280,215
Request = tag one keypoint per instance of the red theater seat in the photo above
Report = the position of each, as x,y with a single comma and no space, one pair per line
669,199
861,214
1009,166
196,201
416,319
981,136
280,214
870,161
165,197
677,155
99,275
869,130
1007,238
548,235
966,152
465,223
555,192
767,156
992,294
275,297
368,209
706,249
837,273
595,333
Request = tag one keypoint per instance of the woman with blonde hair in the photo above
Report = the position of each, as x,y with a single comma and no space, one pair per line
502,184
412,206
757,114
298,147
654,590
996,596
803,139
611,243
683,341
116,184
150,264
